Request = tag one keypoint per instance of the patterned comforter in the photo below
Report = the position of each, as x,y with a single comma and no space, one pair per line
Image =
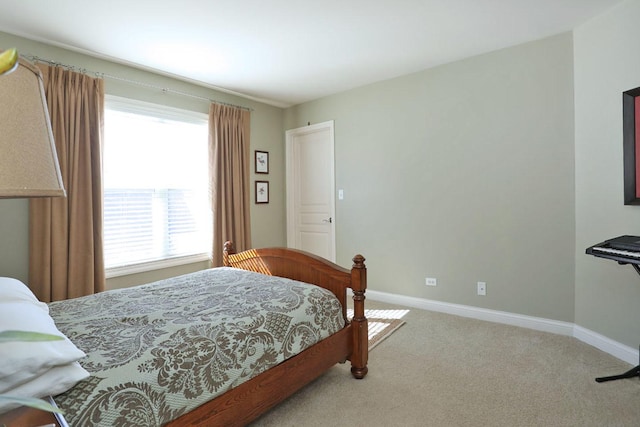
160,350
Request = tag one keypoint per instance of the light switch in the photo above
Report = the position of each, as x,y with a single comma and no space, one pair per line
340,194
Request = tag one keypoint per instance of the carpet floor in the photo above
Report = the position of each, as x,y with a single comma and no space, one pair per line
444,370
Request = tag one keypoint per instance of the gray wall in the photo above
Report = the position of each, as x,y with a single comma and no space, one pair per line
469,171
464,173
266,134
606,64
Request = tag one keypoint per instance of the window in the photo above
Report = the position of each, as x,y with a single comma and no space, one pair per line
156,204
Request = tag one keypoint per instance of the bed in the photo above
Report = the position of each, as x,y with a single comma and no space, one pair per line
183,361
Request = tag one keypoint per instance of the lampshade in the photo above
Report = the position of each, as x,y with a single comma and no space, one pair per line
28,160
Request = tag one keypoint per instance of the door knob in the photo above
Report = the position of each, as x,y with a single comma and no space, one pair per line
327,220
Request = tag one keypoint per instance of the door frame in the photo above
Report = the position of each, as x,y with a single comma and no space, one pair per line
290,179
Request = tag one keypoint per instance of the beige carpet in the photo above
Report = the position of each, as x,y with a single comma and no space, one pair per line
441,370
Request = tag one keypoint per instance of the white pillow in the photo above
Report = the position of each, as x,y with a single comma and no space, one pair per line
15,290
55,381
23,361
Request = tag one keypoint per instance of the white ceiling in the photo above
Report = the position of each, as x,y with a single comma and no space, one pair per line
285,52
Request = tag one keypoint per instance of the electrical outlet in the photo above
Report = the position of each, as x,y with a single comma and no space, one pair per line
482,288
431,281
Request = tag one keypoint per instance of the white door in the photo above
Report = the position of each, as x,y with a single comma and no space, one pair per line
310,190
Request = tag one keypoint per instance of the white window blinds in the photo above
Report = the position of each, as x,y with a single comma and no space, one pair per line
156,204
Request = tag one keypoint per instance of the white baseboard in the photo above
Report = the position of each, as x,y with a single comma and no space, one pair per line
614,348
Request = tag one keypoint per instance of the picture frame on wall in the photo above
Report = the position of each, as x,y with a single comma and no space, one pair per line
262,162
631,145
262,192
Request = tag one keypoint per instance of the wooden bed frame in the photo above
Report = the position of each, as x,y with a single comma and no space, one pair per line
249,400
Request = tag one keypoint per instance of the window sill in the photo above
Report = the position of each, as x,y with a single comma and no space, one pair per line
154,265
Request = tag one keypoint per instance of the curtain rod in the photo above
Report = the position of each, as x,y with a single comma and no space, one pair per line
98,74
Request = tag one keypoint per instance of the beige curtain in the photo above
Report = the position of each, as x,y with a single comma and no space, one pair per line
229,177
65,234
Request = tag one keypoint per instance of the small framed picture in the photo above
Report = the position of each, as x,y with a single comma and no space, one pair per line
262,191
262,161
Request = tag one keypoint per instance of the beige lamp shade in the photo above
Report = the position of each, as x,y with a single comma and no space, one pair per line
28,160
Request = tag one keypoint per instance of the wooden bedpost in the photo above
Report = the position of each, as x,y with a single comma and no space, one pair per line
360,355
226,251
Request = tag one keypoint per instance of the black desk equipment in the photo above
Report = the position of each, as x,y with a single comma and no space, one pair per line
624,250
